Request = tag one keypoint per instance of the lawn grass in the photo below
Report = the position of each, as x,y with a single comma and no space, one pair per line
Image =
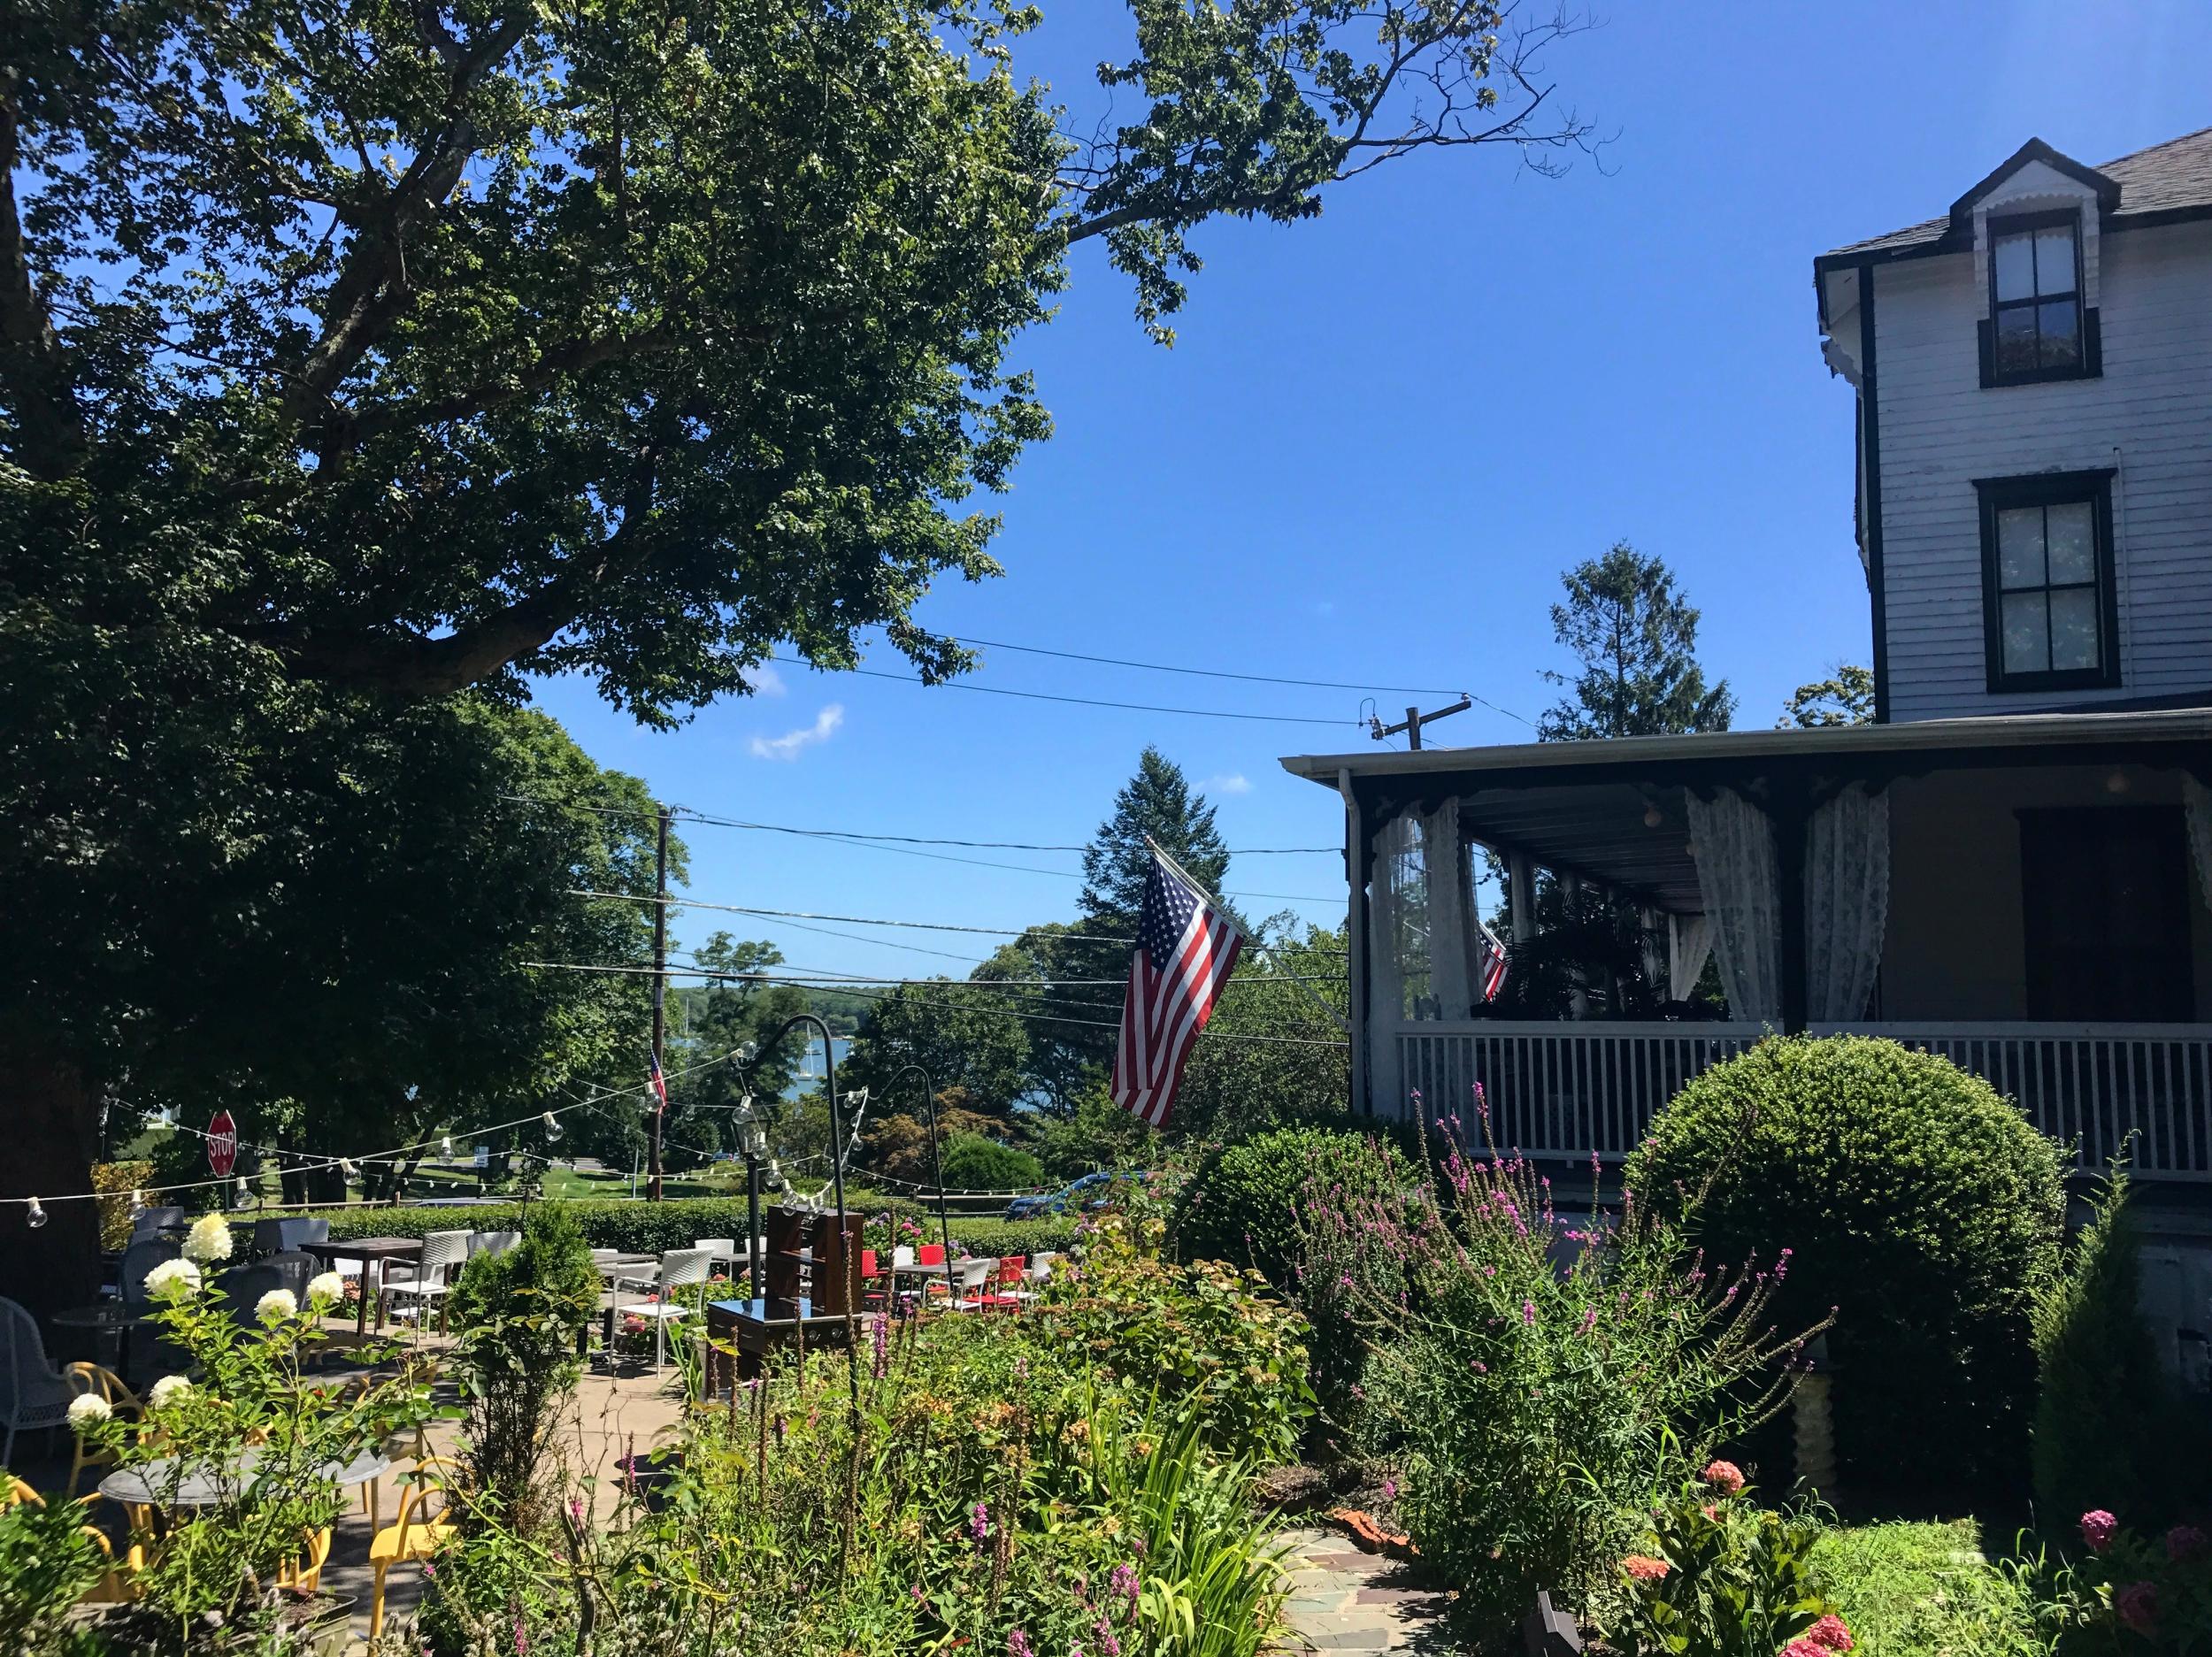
1924,1590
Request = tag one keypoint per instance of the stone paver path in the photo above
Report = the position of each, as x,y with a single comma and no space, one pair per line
1345,1599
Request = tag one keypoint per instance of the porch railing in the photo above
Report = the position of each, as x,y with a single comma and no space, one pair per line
2092,1085
1564,1090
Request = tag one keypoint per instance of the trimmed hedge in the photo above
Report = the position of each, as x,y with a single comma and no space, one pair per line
1241,1205
1909,1196
649,1228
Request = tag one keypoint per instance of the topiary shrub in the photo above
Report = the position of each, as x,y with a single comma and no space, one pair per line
972,1162
1241,1204
1912,1199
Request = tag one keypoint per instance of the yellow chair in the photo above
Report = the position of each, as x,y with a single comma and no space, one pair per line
411,1536
90,1377
18,1492
303,1573
118,1587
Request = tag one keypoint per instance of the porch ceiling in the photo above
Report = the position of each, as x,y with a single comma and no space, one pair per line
1597,831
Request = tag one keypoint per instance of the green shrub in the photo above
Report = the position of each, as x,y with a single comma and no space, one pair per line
47,1562
520,1315
1926,1591
2101,1400
652,1228
1916,1202
1241,1204
1343,1262
972,1163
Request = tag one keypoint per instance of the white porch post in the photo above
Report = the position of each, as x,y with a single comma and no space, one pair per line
1520,874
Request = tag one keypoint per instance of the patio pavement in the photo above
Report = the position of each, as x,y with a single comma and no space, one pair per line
1344,1599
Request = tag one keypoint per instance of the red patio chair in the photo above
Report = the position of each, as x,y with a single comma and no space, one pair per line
871,1290
1006,1291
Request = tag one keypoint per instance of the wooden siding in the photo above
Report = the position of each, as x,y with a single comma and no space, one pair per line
2150,414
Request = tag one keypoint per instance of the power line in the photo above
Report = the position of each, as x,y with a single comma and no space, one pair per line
1250,678
982,1012
1085,702
866,920
688,815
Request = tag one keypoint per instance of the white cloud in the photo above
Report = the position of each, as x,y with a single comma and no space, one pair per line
1235,782
766,680
791,743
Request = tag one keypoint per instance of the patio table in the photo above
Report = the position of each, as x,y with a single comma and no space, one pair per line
371,1252
108,1320
148,1484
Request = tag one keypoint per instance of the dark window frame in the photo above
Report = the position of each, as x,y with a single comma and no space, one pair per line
2051,488
2090,365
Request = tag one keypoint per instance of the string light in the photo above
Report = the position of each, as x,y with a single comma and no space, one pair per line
34,1216
552,1125
445,1146
346,1169
243,1193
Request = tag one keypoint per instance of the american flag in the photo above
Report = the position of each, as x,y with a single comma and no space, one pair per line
1493,954
1185,952
659,1082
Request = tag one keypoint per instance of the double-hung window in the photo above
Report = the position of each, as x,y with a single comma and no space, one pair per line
2046,575
2038,327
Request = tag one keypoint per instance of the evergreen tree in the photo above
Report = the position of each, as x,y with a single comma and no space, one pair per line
1636,639
1156,801
1847,699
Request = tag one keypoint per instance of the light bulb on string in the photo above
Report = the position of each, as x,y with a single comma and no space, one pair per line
242,1188
346,1169
445,1146
34,1216
552,1125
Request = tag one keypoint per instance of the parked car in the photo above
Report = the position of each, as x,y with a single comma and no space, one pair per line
1090,1192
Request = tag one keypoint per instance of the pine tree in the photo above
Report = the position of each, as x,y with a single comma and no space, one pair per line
1156,801
1846,698
1636,637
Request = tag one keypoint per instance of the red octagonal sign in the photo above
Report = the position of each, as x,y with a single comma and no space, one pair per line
222,1145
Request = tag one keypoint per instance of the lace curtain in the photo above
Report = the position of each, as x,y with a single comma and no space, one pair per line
1420,910
1734,848
1386,921
1847,901
1689,941
2196,805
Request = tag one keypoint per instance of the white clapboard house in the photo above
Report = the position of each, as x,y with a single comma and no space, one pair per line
2010,864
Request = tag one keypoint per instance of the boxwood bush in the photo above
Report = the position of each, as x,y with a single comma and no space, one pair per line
649,1228
1911,1198
1241,1204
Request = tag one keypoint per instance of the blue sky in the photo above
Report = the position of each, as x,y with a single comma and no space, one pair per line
1380,437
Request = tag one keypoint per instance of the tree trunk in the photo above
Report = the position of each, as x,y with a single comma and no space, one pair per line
51,1119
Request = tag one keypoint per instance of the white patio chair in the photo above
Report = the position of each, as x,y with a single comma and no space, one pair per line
970,1278
677,1267
902,1255
491,1242
431,1280
34,1394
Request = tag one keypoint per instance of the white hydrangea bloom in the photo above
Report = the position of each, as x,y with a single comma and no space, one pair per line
327,1286
167,1390
276,1306
209,1239
87,1408
173,1280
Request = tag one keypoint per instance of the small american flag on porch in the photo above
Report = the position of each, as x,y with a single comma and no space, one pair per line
1185,949
658,1082
1490,955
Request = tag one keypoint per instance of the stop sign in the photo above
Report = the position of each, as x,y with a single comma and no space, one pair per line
222,1145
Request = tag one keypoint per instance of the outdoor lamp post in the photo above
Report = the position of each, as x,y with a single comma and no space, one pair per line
752,1145
936,1164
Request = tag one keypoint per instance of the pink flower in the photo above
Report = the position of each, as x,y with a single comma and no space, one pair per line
1803,1648
1830,1634
1725,1476
979,1524
2184,1542
1528,1314
2137,1606
1018,1644
2097,1528
1643,1568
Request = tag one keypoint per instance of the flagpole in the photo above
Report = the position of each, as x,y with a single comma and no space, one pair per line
1238,926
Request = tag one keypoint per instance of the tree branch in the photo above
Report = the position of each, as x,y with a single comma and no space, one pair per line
572,357
34,367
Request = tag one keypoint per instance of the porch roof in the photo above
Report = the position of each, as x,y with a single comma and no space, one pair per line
1588,808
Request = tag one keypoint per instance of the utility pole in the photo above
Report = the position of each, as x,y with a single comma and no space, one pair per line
660,996
1414,720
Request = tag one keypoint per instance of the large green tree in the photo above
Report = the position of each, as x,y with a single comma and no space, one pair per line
353,356
1634,639
738,1008
1848,698
963,1036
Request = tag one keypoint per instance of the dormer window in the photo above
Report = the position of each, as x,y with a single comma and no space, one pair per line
2035,299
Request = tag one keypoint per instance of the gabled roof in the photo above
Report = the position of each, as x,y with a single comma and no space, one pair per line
2171,178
